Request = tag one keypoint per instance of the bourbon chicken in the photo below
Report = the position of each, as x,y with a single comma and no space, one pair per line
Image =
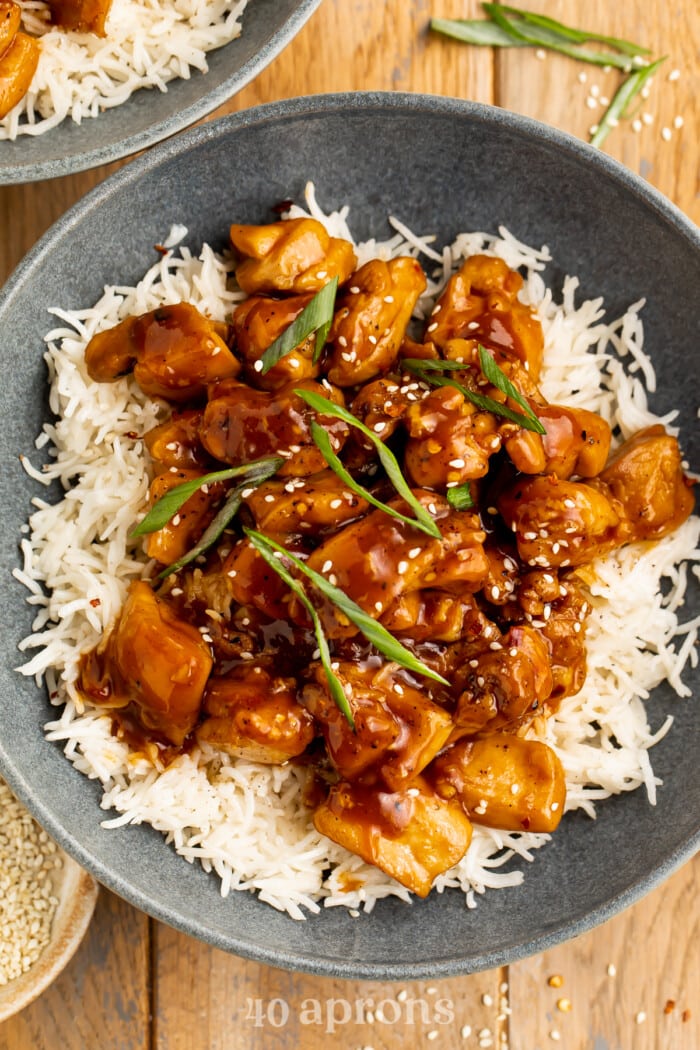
398,602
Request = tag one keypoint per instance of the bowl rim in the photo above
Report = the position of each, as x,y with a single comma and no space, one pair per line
314,106
170,125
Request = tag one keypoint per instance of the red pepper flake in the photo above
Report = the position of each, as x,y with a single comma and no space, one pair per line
95,602
282,206
685,1016
670,1006
131,434
160,248
555,981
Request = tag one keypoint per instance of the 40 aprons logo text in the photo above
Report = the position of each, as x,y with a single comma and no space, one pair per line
331,1014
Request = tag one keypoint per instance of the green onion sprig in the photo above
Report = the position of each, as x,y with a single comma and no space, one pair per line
317,316
266,551
460,497
264,469
373,631
427,369
323,406
508,26
168,505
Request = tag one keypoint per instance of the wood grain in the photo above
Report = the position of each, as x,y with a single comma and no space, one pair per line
205,1000
102,997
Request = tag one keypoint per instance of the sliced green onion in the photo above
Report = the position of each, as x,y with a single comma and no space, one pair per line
168,505
317,316
501,381
580,36
425,370
479,31
460,497
539,36
626,93
334,685
224,515
324,407
373,631
323,443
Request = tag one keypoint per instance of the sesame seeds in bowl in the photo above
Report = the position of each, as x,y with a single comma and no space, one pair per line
46,903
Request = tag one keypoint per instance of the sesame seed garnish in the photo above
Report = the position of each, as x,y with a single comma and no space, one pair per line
342,341
354,290
513,651
582,78
456,463
432,1034
611,970
402,567
514,789
604,100
473,663
171,446
554,807
258,366
529,535
473,325
388,298
555,1035
378,427
555,548
647,118
269,498
432,327
327,566
637,125
465,1031
640,1018
378,606
541,54
591,102
398,689
666,134
321,274
678,122
231,574
495,592
335,503
372,339
481,681
674,74
564,1005
486,999
347,356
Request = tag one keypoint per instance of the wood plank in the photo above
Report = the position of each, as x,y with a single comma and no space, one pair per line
655,949
549,89
234,1004
102,997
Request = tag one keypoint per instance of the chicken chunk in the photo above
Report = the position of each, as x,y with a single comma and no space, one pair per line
450,441
560,522
504,782
255,716
17,67
371,319
260,320
176,443
645,476
181,533
398,730
153,660
576,442
174,351
10,19
432,615
412,834
295,255
481,302
85,16
253,582
310,505
502,686
378,559
240,425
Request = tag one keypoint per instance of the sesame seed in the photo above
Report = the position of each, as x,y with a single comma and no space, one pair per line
582,78
269,498
437,309
378,606
481,681
171,446
327,566
398,689
402,567
232,574
555,1035
514,789
347,357
432,1034
432,327
611,970
555,548
321,274
674,74
354,290
495,646
378,427
678,122
258,366
335,503
247,492
465,1031
647,118
604,100
666,134
414,552
473,325
402,996
564,1005
539,53
591,102
513,651
640,1018
495,592
595,90
569,503
372,339
487,1000
593,128
456,463
529,535
473,663
554,807
176,520
388,298
342,340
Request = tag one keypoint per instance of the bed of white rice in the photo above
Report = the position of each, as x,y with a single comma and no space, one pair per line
247,822
147,44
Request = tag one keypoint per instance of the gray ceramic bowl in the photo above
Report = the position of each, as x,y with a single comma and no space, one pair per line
444,166
151,116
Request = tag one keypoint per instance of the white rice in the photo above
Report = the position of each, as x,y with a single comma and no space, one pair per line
246,822
147,44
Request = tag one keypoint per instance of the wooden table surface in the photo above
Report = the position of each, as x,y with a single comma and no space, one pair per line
634,983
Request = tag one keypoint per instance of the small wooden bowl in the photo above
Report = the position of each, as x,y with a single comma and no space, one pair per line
77,893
